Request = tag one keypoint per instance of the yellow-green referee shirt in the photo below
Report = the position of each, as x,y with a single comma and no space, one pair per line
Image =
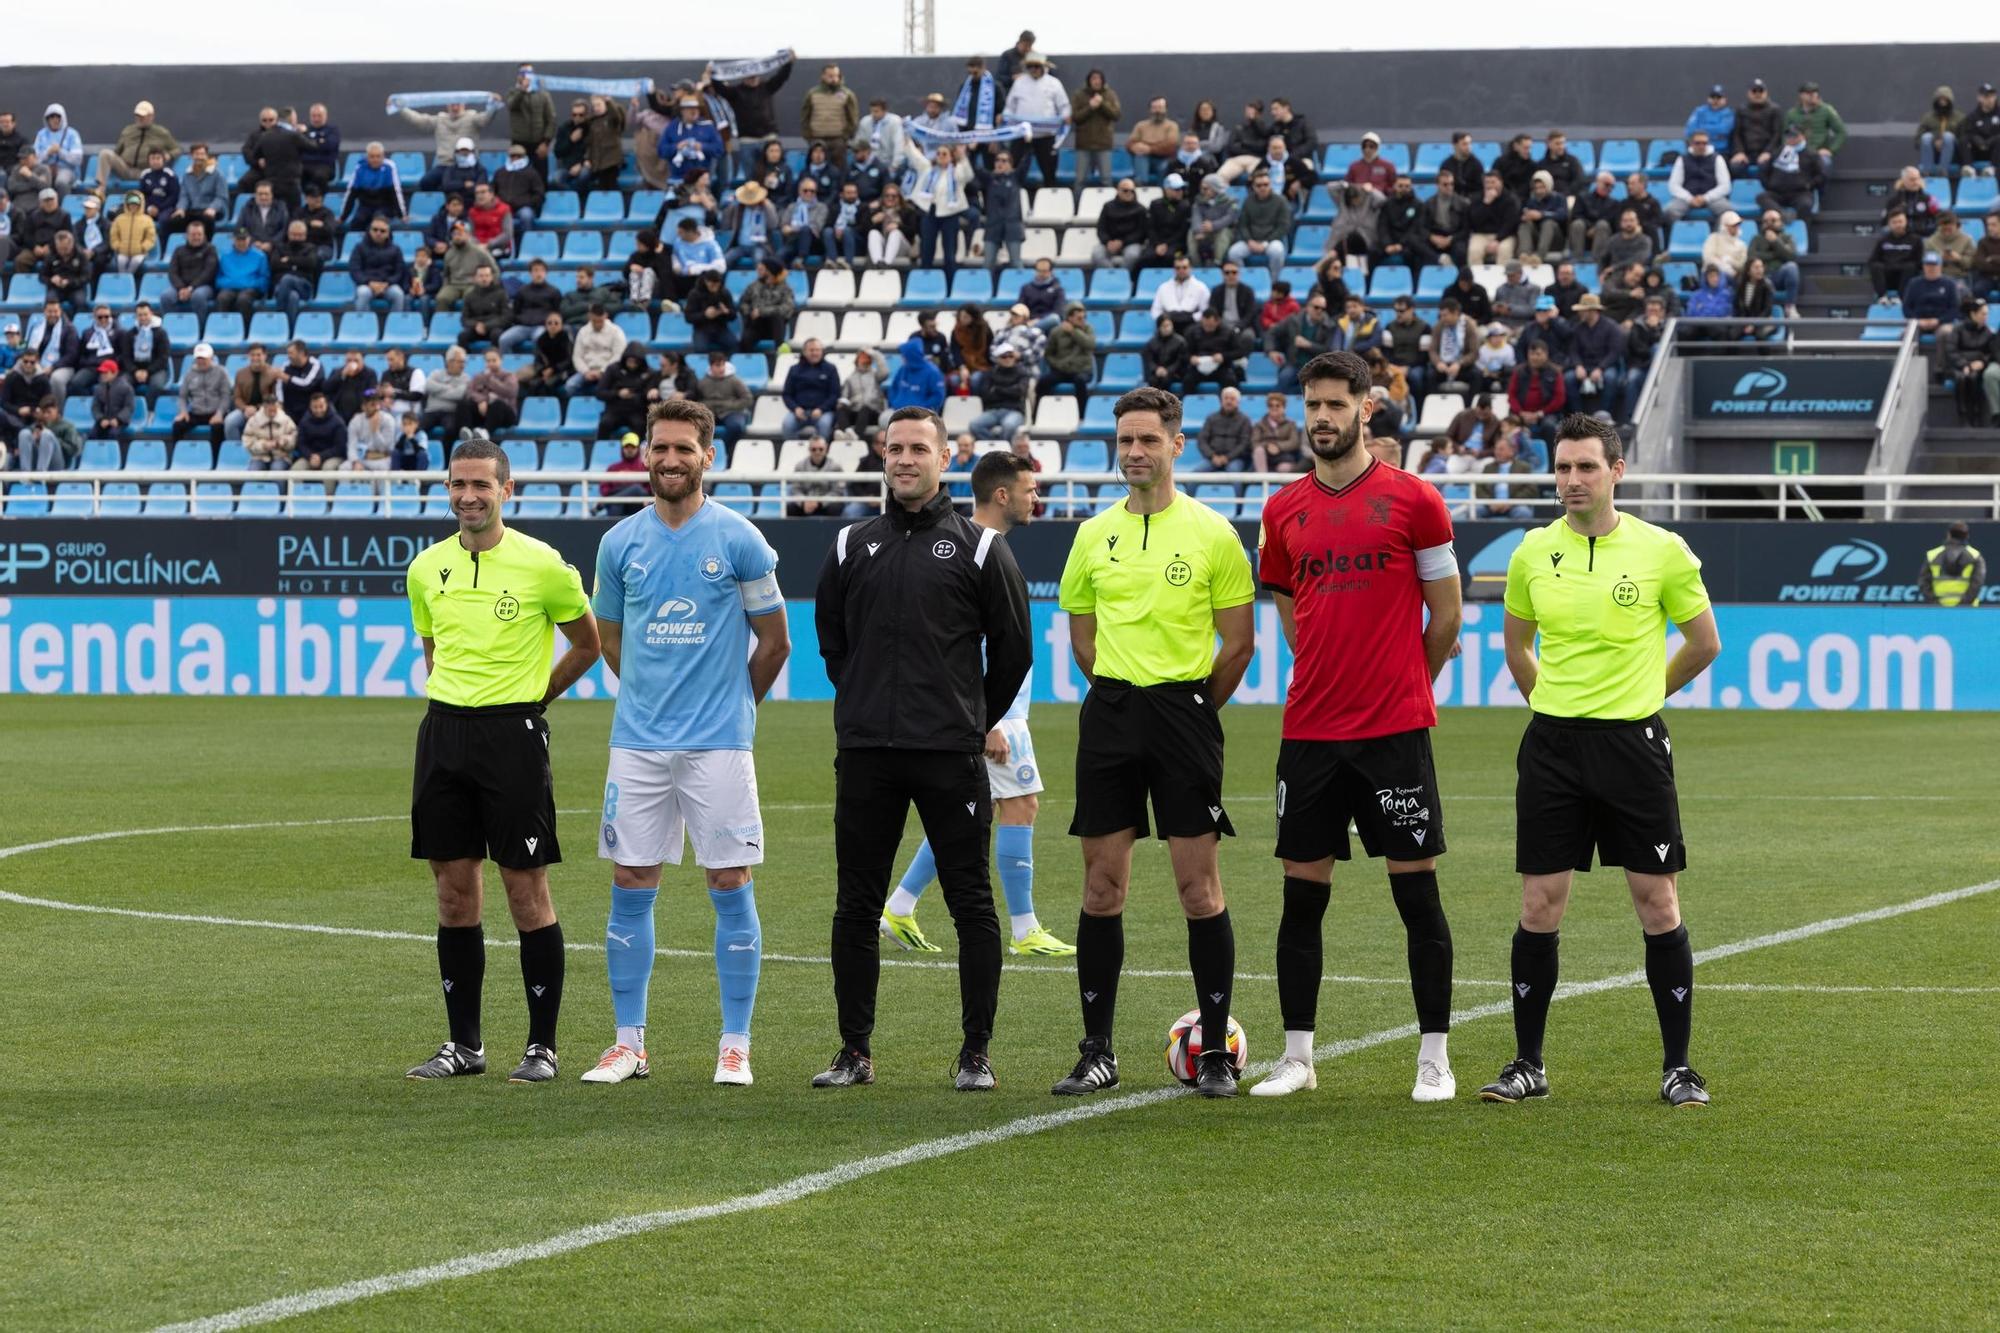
492,617
1155,582
1603,605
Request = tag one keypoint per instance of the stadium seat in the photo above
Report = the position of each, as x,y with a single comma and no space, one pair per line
437,501
117,290
314,328
1135,330
143,455
734,495
1439,409
1686,240
541,414
1097,415
72,500
1039,243
605,206
752,456
1388,282
863,328
1087,456
1122,371
583,414
541,500
194,456
753,369
224,331
881,289
567,455
166,499
583,247
959,411
638,325
821,324
1197,408
230,456
1977,194
404,500
603,453
26,499
523,455
1054,206
1056,415
672,331
271,328
1656,156
257,499
1217,496
183,330
543,245
1433,282
358,329
25,292
559,206
767,418
833,289
1109,287
119,499
99,456
925,287
974,285
213,499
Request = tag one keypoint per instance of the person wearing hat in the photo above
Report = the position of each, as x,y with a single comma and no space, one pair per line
531,116
1714,117
1793,177
830,114
1515,298
1371,170
1544,218
133,237
1037,95
457,177
59,147
93,235
204,396
1760,128
1211,222
457,121
1550,329
934,120
749,227
1725,247
1700,179
1826,132
112,401
10,343
690,143
276,152
1930,298
126,158
626,496
1937,133
1979,134
1953,574
522,187
1597,357
1167,221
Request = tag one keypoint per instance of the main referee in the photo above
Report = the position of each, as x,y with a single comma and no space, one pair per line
1596,767
487,602
1148,585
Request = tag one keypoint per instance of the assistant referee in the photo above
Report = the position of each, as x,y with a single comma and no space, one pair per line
487,602
1596,767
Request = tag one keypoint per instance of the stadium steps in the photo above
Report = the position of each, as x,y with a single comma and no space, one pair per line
1834,279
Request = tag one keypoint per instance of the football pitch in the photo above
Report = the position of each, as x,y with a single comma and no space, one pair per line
218,962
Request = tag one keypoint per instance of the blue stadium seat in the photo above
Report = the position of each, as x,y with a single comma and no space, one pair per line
271,328
1197,408
1796,229
1109,287
603,453
734,495
143,455
358,329
257,499
194,456
673,331
183,330
307,500
1148,281
1217,496
353,499
25,292
72,500
213,499
1430,156
153,288
645,205
1656,155
973,284
1586,274
559,206
1939,188
1337,158
224,331
621,246
754,369
540,499
564,455
1135,330
314,328
543,245
1122,371
1620,157
1743,192
1686,240
1978,194
230,457
924,287
606,207
541,414
1388,282
406,500
99,456
336,292
583,247
437,501
117,290
583,414
166,499
409,166
406,328
1433,281
120,499
27,499
1087,455
638,325
424,204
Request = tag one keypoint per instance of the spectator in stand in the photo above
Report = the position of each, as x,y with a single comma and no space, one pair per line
319,155
1755,299
347,386
379,270
811,393
125,160
1516,167
1565,170
751,224
531,117
444,393
1972,355
300,377
767,306
1211,222
1774,245
462,262
1938,133
1181,298
1000,188
37,448
1400,229
59,349
1275,443
813,494
413,451
1514,301
1248,143
1979,134
59,148
1826,132
1639,198
628,388
1597,359
534,301
634,492
555,359
1292,342
1004,394
457,121
696,252
1493,223
1153,142
1451,354
1624,293
458,177
938,190
1593,216
571,148
371,437
862,401
521,189
1536,394
1071,357
485,313
492,221
689,142
754,102
321,435
1626,246
1714,299
1956,249
1406,340
1293,173
882,133
490,403
12,142
598,344
1930,298
1700,179
1725,247
1094,112
65,271
1226,435
191,273
1024,335
968,354
322,227
1759,130
1371,170
159,189
1544,218
711,314
264,217
933,121
1234,303
1043,295
1895,259
1793,177
275,153
271,438
1471,296
847,223
34,229
1280,306
830,114
112,401
437,232
1911,197
295,268
97,342
1167,226
145,353
1037,95
725,394
1164,359
604,145
1640,342
24,387
1714,118
257,383
1549,328
374,189
1122,228
1444,217
1212,351
917,382
400,385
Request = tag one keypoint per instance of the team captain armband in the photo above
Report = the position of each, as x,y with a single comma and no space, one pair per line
761,595
1436,562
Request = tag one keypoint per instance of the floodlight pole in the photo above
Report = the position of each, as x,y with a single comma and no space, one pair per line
919,27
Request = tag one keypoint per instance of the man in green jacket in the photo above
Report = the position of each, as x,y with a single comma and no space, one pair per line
126,160
1071,355
830,115
531,117
1826,132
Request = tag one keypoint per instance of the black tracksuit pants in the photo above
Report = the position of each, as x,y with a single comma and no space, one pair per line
874,789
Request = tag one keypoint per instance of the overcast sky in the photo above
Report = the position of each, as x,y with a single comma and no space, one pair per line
248,31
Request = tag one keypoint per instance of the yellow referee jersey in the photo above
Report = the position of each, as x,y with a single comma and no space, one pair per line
1602,605
492,617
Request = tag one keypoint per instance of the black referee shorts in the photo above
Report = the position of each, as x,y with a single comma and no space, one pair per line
1586,783
1386,785
483,787
1163,741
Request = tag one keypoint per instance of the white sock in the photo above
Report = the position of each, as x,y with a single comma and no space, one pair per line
632,1038
1025,924
1299,1045
1431,1048
902,902
740,1040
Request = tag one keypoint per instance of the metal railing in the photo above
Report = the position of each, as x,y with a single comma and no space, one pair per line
1665,496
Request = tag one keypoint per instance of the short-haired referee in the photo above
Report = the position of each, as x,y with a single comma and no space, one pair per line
1596,767
487,602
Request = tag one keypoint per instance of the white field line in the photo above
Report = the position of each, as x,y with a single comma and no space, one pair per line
819,1182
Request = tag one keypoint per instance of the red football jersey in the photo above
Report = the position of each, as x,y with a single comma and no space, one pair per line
1349,560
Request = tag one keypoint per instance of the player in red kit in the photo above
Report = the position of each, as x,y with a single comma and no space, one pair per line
1356,553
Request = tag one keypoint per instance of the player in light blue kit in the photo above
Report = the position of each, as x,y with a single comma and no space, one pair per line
1003,496
696,583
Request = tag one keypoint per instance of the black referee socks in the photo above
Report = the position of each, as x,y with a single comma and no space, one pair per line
462,967
1100,957
1670,972
1429,942
1301,952
1534,985
1212,959
542,975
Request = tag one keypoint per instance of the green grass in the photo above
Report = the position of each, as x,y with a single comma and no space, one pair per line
199,1117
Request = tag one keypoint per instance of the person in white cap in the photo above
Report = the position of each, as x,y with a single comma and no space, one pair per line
126,159
1371,170
1700,179
1725,247
59,147
204,396
461,174
457,121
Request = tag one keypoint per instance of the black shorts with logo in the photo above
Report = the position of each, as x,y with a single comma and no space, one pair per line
483,787
1387,785
1159,740
1586,782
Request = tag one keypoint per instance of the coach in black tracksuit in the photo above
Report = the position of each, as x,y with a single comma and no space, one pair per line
923,622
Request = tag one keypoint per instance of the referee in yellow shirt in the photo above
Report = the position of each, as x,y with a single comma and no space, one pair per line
1148,585
487,603
1596,767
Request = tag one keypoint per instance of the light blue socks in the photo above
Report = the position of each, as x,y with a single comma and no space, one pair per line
628,954
739,953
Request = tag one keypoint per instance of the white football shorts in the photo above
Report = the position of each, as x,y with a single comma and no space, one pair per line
1019,776
654,799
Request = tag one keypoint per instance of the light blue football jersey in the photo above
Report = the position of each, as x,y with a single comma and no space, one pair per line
1018,710
685,599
